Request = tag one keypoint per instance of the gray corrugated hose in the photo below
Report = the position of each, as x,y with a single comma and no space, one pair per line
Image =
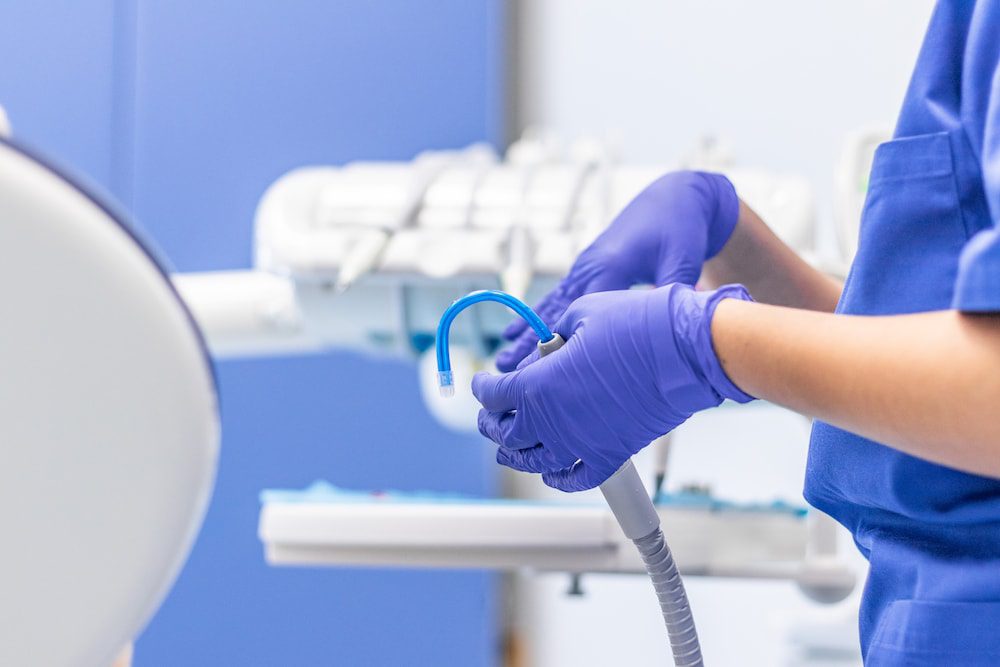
673,599
630,503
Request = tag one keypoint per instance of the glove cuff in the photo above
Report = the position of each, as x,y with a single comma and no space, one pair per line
727,212
700,350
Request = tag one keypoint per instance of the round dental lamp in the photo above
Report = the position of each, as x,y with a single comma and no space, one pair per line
109,426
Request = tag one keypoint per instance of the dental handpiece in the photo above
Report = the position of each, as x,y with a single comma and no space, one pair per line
623,490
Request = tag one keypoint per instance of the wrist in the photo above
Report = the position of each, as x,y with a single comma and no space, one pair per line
726,212
716,204
678,321
701,342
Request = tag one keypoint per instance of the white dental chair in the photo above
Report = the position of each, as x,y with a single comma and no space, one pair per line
109,426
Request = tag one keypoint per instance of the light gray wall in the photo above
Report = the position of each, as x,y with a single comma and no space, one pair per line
781,82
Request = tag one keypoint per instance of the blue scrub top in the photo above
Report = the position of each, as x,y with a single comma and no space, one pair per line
929,241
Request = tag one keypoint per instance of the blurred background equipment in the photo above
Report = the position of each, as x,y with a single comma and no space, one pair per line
186,112
322,179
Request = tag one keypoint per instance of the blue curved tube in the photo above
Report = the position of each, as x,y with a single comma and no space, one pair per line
445,378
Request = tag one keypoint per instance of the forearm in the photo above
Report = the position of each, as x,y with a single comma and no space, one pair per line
769,269
927,384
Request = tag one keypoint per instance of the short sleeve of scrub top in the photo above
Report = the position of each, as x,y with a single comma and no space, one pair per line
977,288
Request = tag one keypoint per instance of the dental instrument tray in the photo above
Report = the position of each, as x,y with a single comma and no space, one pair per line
324,525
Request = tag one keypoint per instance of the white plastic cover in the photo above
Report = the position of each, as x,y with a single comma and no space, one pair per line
108,425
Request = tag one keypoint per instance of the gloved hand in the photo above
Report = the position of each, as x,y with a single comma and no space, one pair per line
663,236
635,365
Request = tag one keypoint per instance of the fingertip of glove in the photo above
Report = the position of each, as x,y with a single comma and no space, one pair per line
528,360
478,380
514,329
506,361
510,358
481,419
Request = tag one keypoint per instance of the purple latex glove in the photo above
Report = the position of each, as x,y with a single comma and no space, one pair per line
636,364
663,236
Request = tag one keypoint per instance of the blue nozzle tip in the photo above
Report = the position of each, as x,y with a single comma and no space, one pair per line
446,383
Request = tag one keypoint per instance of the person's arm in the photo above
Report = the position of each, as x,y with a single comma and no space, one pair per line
665,235
755,257
927,384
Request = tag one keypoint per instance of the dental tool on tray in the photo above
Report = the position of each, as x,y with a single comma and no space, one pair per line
367,252
623,491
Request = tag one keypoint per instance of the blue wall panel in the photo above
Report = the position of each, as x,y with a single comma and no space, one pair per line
232,94
229,96
187,110
353,421
57,80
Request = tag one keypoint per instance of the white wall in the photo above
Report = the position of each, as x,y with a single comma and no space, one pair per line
781,82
